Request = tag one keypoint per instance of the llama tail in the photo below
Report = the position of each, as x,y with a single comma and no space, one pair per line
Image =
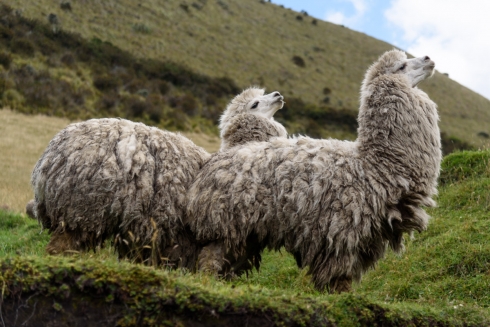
30,209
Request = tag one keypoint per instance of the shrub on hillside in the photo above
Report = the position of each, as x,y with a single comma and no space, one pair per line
451,144
68,59
134,106
5,60
13,100
222,86
141,28
108,103
163,87
298,61
23,46
106,83
187,103
66,5
6,34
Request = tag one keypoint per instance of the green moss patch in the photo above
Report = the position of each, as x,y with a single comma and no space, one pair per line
39,290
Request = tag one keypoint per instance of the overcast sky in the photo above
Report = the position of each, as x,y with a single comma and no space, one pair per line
456,34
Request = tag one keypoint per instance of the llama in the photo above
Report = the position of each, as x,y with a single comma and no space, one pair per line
249,117
335,205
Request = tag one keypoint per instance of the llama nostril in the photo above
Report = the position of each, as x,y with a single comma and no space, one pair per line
426,58
277,94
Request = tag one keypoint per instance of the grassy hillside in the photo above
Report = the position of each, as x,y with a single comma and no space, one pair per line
257,42
44,69
441,280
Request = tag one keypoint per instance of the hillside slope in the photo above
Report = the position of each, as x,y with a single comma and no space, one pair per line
256,42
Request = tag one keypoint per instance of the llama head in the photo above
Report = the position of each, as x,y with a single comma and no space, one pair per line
395,62
253,101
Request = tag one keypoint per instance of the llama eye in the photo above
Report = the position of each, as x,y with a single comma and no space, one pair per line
255,105
403,67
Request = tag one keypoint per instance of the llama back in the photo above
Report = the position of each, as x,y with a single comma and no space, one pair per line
97,175
246,128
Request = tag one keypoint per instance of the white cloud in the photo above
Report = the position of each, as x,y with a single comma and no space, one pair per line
338,17
453,33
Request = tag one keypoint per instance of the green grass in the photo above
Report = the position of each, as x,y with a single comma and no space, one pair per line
442,278
254,42
20,235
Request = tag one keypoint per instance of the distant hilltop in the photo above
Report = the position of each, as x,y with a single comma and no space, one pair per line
316,65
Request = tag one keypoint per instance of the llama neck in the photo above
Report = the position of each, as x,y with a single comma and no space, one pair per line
398,134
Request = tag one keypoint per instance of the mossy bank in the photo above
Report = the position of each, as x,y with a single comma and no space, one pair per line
442,279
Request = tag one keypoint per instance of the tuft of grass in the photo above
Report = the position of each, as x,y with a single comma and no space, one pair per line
20,235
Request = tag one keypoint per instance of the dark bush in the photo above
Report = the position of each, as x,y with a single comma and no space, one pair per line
298,61
299,17
5,59
484,135
184,6
63,39
68,59
136,107
163,87
155,110
42,91
22,46
197,6
6,33
186,103
212,113
65,5
53,19
293,107
451,144
134,85
106,83
108,102
211,99
223,86
103,53
48,47
78,98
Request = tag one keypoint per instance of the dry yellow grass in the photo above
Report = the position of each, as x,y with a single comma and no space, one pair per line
23,139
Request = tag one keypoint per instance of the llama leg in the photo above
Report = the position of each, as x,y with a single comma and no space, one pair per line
340,284
61,243
211,259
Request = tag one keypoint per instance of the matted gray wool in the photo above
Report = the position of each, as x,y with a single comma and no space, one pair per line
335,205
113,178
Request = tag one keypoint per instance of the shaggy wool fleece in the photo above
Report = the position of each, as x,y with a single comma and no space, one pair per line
335,205
249,117
107,177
